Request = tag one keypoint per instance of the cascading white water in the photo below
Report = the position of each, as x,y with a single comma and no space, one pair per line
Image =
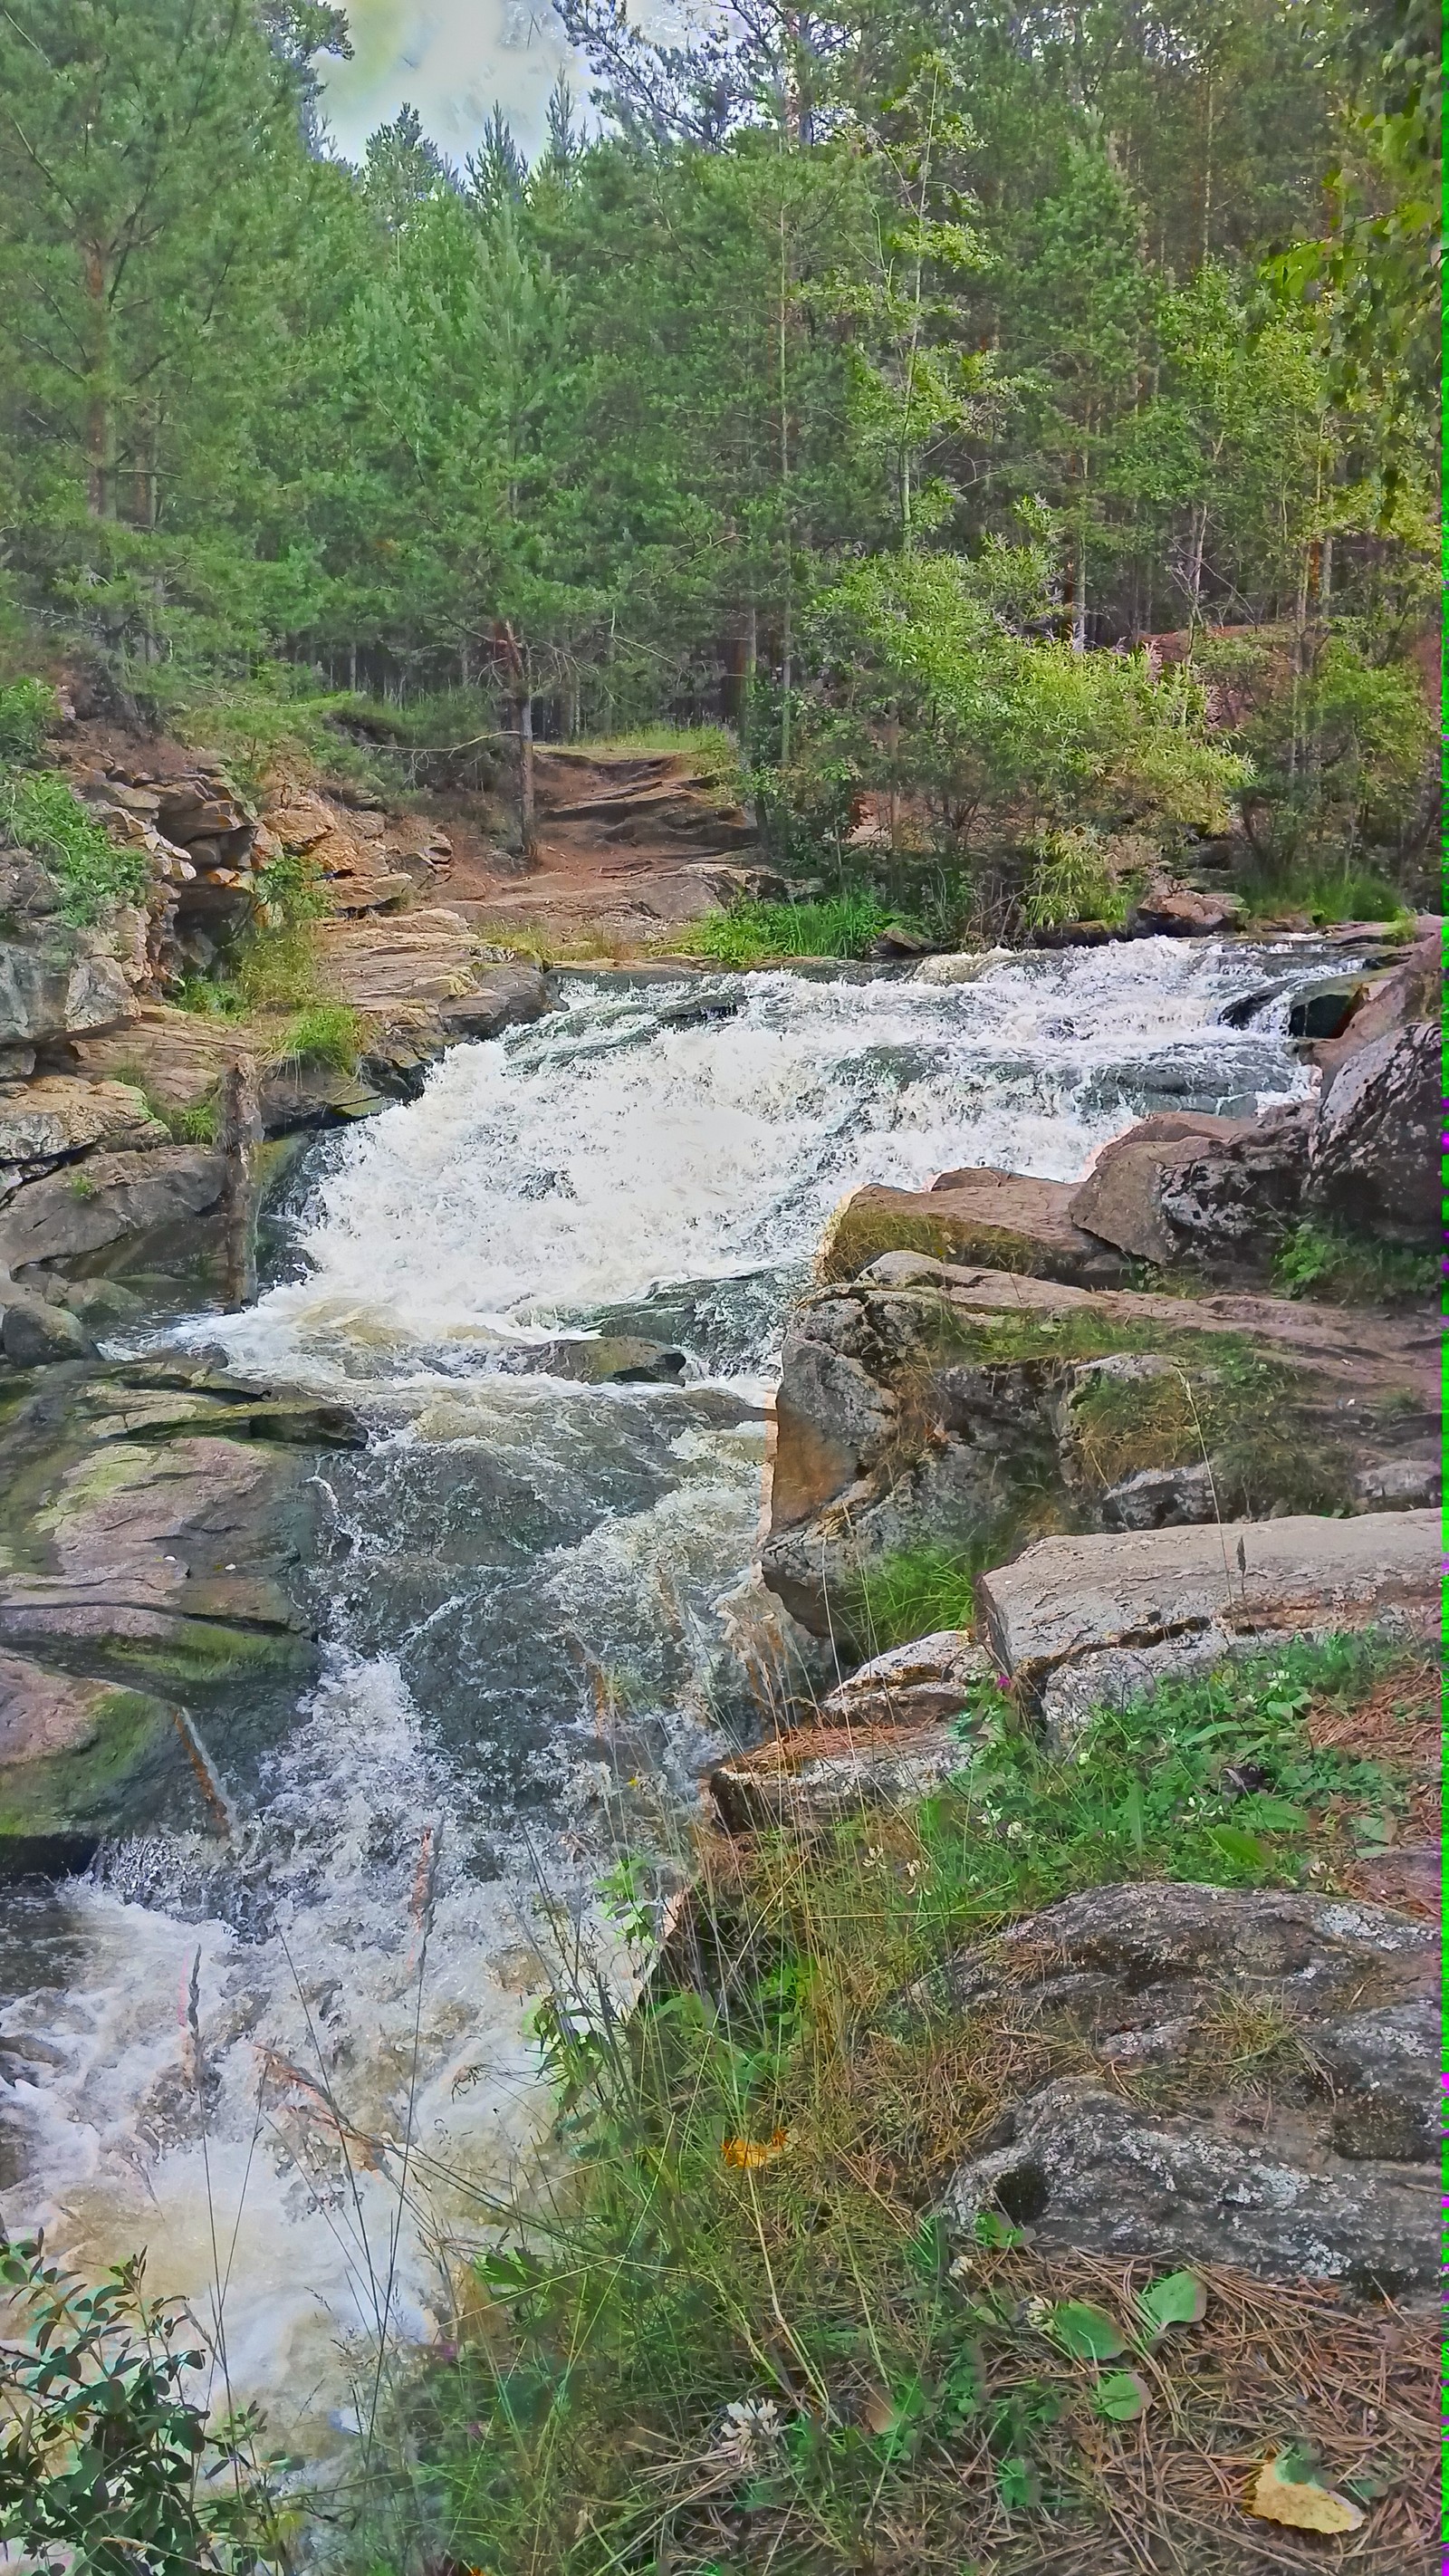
515,1566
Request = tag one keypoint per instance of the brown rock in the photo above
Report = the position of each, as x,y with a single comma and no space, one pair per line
807,1781
1184,912
999,1219
105,1198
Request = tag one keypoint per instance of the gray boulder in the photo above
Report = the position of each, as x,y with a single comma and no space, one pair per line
105,1198
927,1681
1374,1156
1182,1187
49,1120
32,1332
1323,2172
1089,1621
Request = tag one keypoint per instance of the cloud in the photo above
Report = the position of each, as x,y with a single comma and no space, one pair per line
452,59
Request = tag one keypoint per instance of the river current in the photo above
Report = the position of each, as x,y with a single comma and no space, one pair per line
520,1585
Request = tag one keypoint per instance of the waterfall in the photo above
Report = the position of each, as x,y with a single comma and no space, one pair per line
519,1583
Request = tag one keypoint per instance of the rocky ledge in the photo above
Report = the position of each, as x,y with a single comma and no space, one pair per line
156,1521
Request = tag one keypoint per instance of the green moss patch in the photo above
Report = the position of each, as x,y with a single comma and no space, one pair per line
90,1787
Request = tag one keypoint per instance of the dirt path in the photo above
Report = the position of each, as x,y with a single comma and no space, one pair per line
628,845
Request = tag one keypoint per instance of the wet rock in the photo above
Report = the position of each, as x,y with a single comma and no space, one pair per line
926,1682
33,1332
1373,1161
106,1198
1323,2174
75,1756
1185,912
609,1359
895,941
1087,1621
818,1776
999,1219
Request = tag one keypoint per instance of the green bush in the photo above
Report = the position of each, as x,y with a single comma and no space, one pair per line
107,2464
39,812
27,707
1351,1269
324,1033
752,934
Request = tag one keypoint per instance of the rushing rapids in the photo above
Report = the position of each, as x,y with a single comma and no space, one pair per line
519,1581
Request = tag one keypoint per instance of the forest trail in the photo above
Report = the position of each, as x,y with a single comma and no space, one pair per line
627,844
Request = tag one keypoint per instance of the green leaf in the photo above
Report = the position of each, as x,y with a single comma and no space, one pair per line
1017,2485
1178,2299
1084,2332
1122,2397
997,2232
1235,1845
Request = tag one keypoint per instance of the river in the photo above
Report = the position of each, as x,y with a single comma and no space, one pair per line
519,1584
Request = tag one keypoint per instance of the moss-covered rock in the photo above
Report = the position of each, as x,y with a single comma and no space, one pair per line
77,1758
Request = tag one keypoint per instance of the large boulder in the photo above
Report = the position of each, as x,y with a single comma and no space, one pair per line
1374,1157
106,1198
1083,1621
999,1219
931,1405
1324,2173
1182,1187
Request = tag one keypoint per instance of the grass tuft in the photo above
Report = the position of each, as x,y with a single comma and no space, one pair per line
39,812
756,934
329,1033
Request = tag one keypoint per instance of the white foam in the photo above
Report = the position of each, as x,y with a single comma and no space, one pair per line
577,1162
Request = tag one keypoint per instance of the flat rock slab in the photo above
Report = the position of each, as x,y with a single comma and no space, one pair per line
818,1776
1324,2173
997,1219
1120,1609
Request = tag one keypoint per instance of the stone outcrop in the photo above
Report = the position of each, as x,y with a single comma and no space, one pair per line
1180,1187
1079,1622
56,981
1218,1194
1373,1159
1000,1220
55,1118
366,858
107,1197
926,1404
1324,2173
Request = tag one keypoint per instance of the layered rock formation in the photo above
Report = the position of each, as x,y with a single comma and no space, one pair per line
929,1404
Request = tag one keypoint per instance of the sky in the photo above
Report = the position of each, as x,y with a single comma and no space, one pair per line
452,59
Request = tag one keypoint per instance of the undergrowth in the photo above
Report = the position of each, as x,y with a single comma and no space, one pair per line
39,812
728,2337
1332,1263
752,934
912,1593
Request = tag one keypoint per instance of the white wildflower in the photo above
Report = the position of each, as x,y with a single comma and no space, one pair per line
748,2435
